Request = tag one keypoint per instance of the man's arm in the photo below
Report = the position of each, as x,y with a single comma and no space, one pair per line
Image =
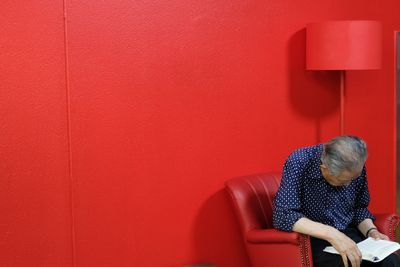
287,202
362,199
343,244
368,226
362,217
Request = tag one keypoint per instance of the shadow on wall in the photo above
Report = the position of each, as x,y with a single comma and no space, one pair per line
218,240
313,94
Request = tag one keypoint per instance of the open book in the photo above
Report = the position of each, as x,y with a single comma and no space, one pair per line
372,250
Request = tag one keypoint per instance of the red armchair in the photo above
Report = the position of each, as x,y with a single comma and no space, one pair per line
252,198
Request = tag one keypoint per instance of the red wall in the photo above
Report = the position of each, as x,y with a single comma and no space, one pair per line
34,186
120,129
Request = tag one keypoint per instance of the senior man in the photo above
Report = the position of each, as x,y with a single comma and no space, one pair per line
324,194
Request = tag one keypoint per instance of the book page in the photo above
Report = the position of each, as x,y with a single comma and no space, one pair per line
372,250
373,246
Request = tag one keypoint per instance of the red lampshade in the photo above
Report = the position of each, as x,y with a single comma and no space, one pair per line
344,45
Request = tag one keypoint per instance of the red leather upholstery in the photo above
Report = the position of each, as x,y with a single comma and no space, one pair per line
387,224
252,198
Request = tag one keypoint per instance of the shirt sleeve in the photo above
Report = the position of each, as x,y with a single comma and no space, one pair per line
361,211
287,203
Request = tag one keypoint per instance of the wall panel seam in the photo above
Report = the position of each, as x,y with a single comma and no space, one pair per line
68,111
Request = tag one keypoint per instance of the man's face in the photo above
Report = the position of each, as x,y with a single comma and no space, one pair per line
343,179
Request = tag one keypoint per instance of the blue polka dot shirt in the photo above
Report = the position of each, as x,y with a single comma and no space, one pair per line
304,192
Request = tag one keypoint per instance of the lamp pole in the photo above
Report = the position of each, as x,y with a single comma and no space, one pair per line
342,97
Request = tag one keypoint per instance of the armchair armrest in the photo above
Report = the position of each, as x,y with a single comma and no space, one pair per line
387,224
276,240
272,236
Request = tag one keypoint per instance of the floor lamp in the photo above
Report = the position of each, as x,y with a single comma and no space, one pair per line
344,45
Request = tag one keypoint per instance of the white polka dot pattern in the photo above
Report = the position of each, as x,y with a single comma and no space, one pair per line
304,192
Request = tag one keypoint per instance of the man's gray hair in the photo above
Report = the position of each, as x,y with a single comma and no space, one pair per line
344,153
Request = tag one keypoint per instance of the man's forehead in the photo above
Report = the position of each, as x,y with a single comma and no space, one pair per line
350,174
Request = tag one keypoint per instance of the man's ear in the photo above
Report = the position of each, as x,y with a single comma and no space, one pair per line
324,169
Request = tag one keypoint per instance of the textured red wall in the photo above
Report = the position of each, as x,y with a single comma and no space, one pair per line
168,99
34,187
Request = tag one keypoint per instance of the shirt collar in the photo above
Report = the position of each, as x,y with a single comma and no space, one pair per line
316,163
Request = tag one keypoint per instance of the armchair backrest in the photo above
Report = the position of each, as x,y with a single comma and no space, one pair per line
252,198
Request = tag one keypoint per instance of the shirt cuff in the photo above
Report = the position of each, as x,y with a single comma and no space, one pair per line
361,214
285,220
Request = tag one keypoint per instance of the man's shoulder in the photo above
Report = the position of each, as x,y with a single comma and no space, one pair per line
307,153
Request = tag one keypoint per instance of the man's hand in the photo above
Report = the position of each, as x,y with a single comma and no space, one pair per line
342,243
375,234
346,247
367,224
